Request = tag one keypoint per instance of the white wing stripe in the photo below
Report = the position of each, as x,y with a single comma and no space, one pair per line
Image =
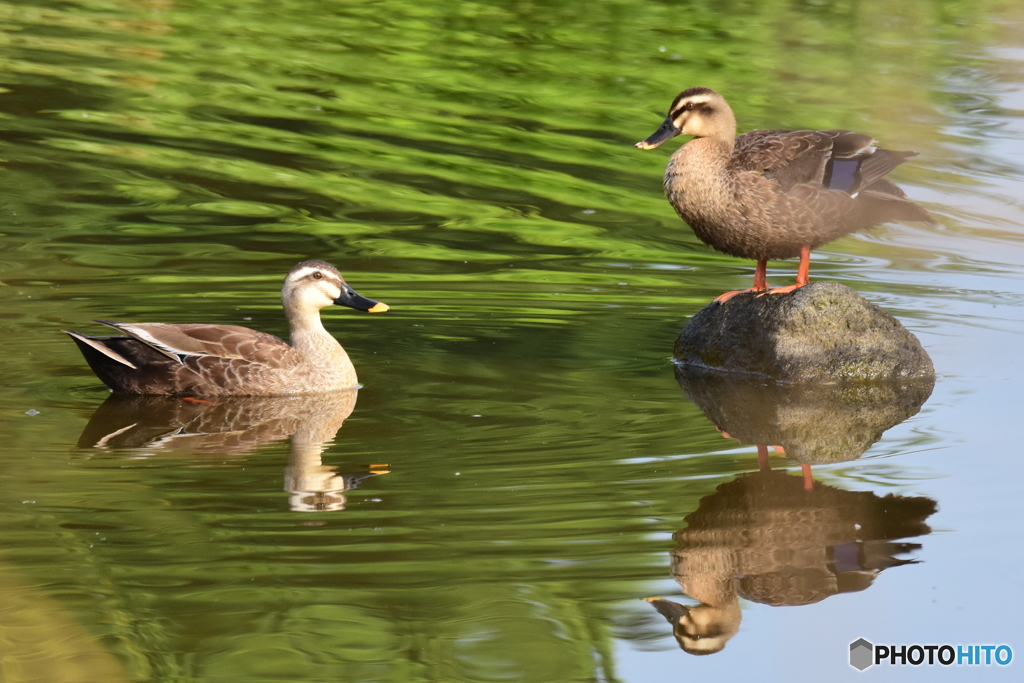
162,346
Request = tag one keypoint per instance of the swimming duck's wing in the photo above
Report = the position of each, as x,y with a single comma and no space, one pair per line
228,342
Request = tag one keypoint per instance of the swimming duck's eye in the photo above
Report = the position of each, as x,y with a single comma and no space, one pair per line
689,106
317,275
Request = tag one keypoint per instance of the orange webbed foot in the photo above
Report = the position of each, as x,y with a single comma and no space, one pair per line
721,299
782,290
760,283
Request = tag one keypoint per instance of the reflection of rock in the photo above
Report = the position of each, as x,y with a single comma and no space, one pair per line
159,425
764,537
823,332
813,423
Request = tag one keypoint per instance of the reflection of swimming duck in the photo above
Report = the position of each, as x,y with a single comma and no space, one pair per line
765,538
774,194
219,360
162,426
226,426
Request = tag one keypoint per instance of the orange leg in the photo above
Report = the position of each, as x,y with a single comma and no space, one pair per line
803,273
762,458
760,281
808,479
761,276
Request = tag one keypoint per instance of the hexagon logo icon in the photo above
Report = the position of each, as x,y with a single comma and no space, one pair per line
862,654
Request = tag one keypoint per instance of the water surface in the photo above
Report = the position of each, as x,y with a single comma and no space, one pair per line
505,488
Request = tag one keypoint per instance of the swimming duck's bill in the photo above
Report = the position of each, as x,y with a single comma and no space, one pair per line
350,298
667,131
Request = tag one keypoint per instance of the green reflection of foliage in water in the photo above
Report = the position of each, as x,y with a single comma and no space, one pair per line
471,159
401,126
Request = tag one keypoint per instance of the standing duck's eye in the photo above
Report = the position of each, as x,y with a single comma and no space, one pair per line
317,275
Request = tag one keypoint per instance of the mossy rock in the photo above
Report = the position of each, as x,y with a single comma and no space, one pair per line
823,332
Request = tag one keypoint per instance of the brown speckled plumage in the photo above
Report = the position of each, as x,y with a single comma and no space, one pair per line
769,194
227,360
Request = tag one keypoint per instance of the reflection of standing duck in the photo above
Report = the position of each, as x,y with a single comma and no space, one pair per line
704,629
765,538
774,194
228,360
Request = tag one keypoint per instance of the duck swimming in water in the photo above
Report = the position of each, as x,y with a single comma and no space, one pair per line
228,360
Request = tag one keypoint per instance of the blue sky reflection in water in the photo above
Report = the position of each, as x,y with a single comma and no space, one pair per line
521,454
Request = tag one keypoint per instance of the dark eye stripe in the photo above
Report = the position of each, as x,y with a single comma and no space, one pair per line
702,107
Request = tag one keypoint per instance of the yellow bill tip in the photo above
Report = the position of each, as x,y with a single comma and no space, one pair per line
379,307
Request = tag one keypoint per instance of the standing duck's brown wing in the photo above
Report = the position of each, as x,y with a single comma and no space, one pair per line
825,159
788,157
824,169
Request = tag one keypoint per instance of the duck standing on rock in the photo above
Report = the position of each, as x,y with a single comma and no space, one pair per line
774,194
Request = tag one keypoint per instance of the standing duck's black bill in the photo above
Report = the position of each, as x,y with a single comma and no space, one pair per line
667,131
